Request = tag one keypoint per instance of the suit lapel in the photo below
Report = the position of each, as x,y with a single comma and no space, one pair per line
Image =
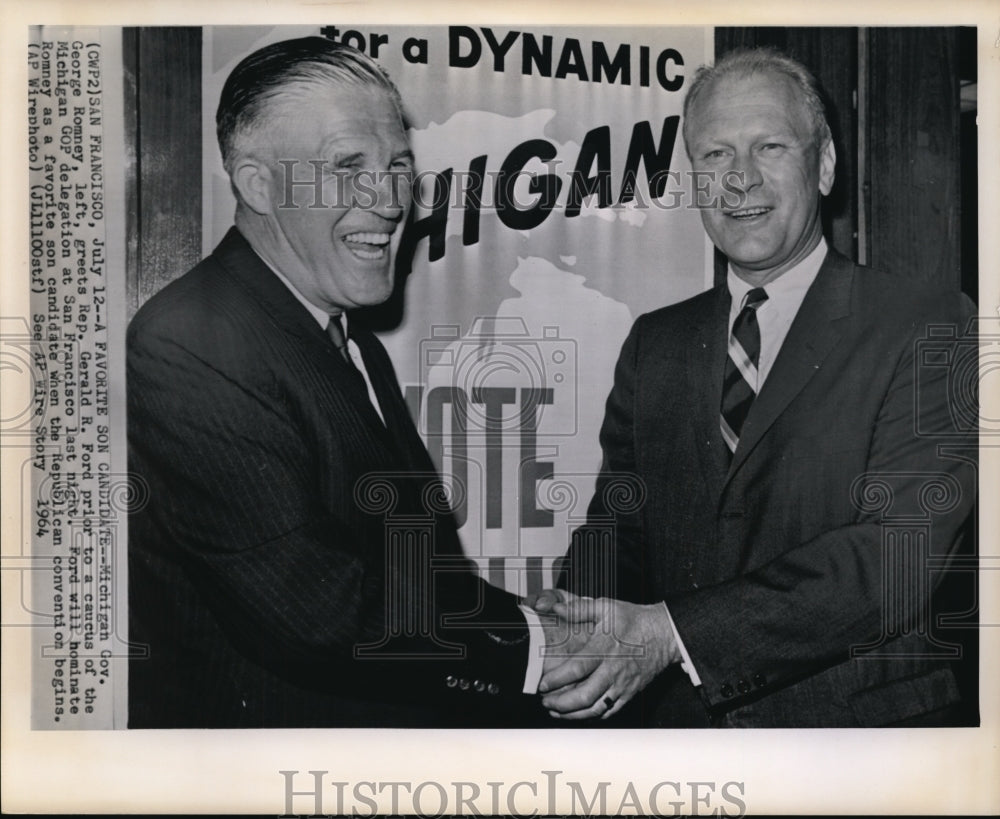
706,365
408,443
814,332
398,423
282,309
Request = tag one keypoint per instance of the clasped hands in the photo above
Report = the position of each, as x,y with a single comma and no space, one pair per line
599,653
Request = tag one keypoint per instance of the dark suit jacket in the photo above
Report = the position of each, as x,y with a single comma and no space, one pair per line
779,566
280,573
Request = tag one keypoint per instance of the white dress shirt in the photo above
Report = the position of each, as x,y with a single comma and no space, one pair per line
784,298
774,318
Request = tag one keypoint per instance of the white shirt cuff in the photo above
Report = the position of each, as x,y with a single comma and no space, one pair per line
536,648
686,665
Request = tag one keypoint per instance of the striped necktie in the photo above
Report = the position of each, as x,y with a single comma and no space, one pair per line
739,387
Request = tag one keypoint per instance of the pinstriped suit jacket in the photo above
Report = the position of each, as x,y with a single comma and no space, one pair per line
817,539
265,579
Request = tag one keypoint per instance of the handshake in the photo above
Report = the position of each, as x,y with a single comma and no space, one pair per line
599,653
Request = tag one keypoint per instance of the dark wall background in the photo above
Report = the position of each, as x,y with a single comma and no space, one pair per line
163,151
905,149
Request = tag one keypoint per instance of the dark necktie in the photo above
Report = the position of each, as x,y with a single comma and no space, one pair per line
739,387
335,330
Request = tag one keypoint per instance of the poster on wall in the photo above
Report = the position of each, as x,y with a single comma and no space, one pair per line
552,207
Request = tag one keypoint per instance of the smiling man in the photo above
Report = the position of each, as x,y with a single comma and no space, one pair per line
786,431
266,588
766,133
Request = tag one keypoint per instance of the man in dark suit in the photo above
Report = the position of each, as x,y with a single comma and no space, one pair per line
785,431
296,563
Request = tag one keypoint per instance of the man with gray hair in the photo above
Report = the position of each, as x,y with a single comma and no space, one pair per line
786,431
266,587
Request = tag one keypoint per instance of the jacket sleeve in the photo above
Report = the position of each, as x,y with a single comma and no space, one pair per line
293,578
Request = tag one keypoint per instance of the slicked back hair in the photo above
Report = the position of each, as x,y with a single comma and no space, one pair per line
747,62
261,78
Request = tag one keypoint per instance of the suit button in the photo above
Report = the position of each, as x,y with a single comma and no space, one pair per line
743,687
479,685
759,680
493,688
451,681
463,684
727,691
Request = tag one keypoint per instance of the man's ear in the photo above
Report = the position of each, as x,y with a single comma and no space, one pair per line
827,166
252,180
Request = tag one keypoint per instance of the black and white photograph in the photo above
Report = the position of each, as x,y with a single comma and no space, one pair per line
450,413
